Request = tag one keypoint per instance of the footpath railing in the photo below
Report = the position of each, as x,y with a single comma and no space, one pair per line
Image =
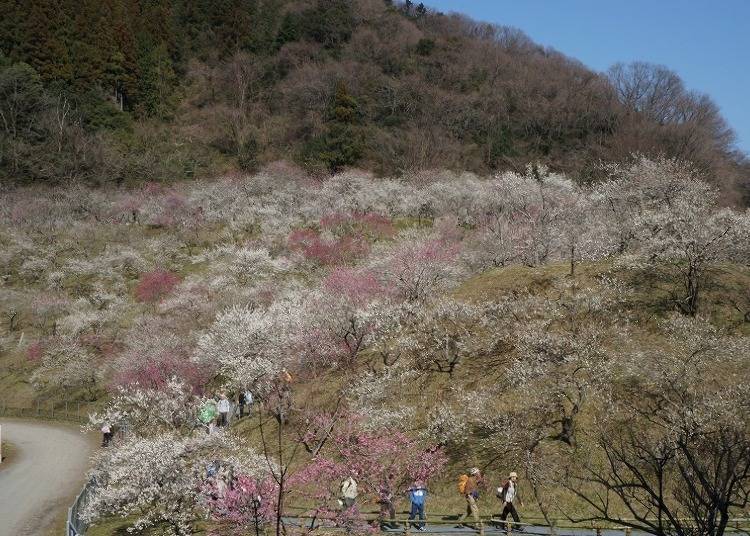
438,523
75,525
59,411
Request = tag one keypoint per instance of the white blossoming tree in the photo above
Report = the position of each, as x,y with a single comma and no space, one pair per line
66,362
438,336
565,347
250,345
145,411
386,398
157,479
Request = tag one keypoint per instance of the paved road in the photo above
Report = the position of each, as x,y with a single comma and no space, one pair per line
45,475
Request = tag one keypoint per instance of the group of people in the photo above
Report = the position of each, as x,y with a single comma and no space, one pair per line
216,410
417,494
470,486
473,484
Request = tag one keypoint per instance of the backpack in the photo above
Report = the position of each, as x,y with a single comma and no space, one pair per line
462,480
502,490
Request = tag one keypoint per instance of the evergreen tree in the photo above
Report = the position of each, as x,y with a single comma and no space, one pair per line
10,28
21,106
289,31
342,142
156,81
42,44
329,23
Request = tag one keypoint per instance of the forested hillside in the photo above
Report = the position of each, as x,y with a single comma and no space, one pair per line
128,90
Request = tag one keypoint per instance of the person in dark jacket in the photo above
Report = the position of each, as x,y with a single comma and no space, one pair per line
245,398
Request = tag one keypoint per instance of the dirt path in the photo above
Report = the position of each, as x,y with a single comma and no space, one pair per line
47,471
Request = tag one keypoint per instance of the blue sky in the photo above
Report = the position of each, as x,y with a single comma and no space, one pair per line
706,43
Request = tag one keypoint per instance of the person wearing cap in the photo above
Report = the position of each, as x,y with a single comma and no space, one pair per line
417,496
474,484
508,493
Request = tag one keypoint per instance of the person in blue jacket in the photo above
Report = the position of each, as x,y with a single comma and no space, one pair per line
417,496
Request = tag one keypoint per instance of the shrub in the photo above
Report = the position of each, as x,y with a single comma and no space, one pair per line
153,286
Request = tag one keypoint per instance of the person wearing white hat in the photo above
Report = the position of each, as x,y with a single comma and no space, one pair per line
508,493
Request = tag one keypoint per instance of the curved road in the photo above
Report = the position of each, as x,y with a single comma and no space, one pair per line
44,476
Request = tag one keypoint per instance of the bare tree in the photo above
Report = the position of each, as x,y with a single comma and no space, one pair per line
650,89
673,450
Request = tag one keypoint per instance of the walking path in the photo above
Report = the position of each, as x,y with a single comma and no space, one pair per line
494,528
451,528
47,471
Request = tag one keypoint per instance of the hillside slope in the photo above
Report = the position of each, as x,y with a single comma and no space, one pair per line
576,334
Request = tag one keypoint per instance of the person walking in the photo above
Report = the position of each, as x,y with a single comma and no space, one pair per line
248,398
508,494
417,496
349,492
285,378
106,434
471,490
241,403
385,500
207,415
224,407
282,397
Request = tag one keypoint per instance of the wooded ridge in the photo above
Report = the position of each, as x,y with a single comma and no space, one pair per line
129,90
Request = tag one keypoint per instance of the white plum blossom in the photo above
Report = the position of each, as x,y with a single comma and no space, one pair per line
250,345
65,362
158,479
148,411
381,397
240,266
